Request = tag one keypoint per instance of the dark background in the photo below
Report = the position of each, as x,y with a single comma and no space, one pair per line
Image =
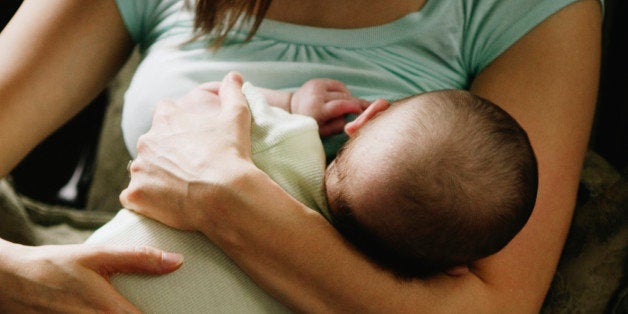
610,134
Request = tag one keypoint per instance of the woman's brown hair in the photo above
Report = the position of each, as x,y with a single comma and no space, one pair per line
218,17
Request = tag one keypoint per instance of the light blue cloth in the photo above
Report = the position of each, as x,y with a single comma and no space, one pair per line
442,46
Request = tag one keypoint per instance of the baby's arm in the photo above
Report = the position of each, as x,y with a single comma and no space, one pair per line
277,98
325,100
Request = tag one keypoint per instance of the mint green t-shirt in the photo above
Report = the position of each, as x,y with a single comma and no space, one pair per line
442,46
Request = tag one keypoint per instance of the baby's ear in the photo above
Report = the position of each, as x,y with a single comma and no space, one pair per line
369,113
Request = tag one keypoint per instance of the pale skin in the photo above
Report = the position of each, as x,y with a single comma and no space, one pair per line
325,100
73,278
35,90
549,88
547,81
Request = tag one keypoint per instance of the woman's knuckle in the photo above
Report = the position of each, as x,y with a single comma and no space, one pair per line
164,105
142,143
133,194
143,252
135,167
140,251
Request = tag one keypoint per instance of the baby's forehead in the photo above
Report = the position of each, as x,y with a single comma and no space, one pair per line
400,130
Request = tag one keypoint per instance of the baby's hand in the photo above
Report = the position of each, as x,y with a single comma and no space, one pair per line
327,101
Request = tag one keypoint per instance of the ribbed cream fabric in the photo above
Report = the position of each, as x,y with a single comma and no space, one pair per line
285,146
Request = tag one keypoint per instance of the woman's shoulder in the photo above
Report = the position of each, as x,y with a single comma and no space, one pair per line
492,26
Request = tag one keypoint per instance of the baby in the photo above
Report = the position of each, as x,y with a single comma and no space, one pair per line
428,183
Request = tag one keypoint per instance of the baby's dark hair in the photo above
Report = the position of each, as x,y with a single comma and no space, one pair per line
460,184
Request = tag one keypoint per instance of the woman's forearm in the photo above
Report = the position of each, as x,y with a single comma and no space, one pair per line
299,258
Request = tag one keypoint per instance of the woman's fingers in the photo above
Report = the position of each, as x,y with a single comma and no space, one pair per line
163,111
236,109
74,278
109,260
212,87
231,95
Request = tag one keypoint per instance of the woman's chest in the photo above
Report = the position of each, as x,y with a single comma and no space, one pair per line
345,14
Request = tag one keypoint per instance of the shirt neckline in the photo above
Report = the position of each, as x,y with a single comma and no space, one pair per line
349,38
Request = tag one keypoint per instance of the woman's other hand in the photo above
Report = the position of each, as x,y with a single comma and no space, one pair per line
197,146
73,278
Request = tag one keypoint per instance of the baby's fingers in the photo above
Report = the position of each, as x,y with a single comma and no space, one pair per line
337,108
332,127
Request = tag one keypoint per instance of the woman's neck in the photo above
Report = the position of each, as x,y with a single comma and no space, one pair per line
342,14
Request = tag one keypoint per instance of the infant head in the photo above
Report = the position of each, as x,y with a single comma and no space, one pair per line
435,181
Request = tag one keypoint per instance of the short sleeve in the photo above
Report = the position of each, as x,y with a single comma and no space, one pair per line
491,26
146,20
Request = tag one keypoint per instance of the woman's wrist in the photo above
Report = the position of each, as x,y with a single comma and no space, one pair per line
7,254
4,247
226,205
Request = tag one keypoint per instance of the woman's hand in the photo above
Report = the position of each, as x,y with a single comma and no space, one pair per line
73,278
194,150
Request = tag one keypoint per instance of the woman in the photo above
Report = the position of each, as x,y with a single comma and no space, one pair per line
538,60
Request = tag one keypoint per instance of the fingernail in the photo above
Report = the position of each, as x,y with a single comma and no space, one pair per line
171,259
235,76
